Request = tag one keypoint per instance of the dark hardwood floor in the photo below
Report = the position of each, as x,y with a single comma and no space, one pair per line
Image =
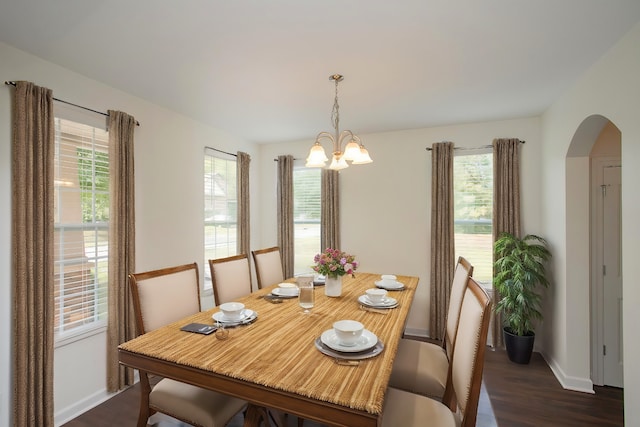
520,395
530,395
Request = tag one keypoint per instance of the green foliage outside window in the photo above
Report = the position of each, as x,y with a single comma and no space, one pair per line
93,173
473,193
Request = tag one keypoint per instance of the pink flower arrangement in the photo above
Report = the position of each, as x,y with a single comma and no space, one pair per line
334,263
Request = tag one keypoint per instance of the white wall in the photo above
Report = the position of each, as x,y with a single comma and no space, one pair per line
169,209
611,88
385,206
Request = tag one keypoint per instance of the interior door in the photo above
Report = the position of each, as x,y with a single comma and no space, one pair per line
612,276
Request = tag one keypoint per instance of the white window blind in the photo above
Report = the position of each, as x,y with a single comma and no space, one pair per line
306,217
473,212
220,208
81,227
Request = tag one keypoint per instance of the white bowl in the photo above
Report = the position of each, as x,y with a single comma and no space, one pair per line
232,310
388,278
348,332
376,295
288,289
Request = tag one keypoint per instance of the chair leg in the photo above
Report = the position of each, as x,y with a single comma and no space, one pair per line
300,422
145,389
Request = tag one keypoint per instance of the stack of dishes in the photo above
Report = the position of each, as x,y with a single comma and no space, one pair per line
286,290
386,302
389,282
367,345
234,314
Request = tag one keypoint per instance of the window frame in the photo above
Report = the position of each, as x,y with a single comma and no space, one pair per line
65,121
299,167
206,286
486,267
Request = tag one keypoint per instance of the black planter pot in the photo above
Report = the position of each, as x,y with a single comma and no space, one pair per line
519,348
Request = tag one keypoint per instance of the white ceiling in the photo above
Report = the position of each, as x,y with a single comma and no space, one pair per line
260,68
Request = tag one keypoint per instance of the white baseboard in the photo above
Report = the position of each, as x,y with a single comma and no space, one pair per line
584,385
70,412
67,414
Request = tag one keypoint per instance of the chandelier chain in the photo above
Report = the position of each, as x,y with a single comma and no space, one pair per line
335,113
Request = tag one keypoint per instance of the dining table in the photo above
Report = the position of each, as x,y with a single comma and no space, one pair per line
277,362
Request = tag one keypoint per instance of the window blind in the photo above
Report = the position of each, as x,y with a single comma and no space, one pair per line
306,216
220,208
81,227
473,212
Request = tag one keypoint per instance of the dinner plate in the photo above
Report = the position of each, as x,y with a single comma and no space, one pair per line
278,292
367,341
372,352
395,286
247,317
387,302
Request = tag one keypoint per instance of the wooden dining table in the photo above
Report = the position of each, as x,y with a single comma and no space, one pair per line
274,363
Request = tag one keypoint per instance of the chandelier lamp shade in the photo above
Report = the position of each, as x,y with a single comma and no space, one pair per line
353,152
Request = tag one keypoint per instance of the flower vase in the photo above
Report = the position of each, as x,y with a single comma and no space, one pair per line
333,286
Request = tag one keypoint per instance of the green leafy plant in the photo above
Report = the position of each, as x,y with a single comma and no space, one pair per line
519,269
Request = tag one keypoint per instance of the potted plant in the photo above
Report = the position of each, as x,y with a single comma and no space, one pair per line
519,269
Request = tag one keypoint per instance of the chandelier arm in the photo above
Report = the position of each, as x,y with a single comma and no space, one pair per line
327,135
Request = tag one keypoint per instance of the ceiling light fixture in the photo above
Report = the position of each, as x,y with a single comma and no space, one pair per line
354,151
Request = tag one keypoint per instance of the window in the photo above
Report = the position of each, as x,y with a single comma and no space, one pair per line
81,228
220,209
473,212
306,217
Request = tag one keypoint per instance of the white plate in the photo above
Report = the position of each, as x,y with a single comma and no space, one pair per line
246,315
387,302
372,352
278,292
367,341
389,286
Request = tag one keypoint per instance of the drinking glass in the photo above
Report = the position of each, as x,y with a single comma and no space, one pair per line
305,284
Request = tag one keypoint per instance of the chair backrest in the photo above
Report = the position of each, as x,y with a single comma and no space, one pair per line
230,277
463,271
468,354
268,266
164,296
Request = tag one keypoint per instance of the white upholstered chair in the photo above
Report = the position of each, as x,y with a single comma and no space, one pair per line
230,277
268,266
161,297
422,367
460,408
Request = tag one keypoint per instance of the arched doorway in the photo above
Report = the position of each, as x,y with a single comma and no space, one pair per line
594,155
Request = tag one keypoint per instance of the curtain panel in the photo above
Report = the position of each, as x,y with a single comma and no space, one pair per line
121,323
330,210
506,204
442,236
244,220
33,246
285,213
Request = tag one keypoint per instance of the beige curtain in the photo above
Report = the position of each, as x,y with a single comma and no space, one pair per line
244,220
442,237
32,247
121,324
285,213
330,211
506,203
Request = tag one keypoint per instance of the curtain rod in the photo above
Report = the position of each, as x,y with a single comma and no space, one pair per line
472,148
10,83
220,151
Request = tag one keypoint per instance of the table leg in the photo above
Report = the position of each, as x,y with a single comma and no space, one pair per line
256,415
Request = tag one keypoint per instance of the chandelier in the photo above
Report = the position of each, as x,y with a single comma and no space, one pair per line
353,151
